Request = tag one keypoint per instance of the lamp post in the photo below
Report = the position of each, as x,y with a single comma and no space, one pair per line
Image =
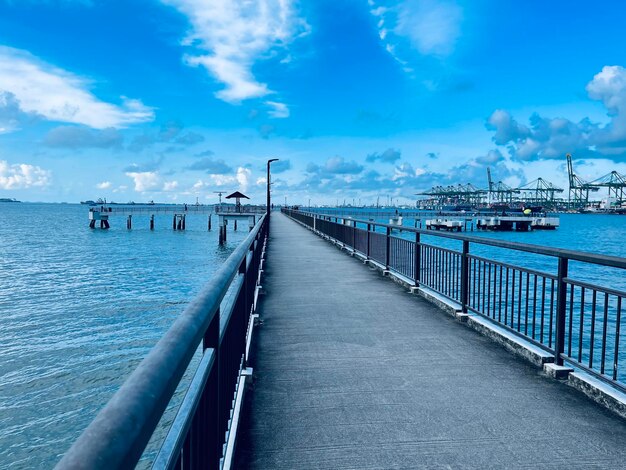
268,185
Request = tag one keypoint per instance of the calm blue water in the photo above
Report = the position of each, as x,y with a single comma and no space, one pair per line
79,309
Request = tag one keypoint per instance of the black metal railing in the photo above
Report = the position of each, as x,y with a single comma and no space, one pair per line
578,321
217,321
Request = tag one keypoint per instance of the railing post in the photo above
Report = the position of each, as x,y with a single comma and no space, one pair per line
368,241
387,247
464,276
353,236
417,260
211,395
561,300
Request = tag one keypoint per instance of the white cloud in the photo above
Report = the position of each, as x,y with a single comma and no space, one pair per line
244,176
58,95
199,185
280,110
170,185
222,180
22,176
552,138
229,36
104,185
609,86
432,27
145,181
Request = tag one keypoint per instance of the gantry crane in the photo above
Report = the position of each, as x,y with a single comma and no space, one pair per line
499,192
578,188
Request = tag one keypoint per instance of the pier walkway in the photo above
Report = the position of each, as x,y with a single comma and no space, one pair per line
351,372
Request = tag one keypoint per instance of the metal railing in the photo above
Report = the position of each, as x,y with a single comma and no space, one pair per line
579,322
118,435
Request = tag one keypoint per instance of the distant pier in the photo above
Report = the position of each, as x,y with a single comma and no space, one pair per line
100,216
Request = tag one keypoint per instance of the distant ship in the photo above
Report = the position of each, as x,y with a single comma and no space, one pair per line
7,199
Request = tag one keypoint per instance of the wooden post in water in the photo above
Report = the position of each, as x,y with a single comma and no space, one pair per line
235,225
209,222
183,220
152,222
129,222
174,222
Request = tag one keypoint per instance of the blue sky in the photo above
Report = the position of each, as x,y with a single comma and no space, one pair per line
171,100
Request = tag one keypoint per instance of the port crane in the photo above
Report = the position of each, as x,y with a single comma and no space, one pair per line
540,192
616,184
499,192
578,188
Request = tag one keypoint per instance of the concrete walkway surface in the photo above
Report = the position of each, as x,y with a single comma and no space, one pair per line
351,371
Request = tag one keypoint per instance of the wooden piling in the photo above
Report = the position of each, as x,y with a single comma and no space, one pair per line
174,222
209,222
152,222
129,222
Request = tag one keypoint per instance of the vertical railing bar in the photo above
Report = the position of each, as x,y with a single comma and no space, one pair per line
464,276
570,320
513,299
489,288
482,305
543,306
593,326
519,303
526,305
618,321
500,298
559,340
581,324
439,270
387,248
534,305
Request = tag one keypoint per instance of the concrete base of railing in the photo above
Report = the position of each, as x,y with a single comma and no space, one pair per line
599,392
557,372
515,344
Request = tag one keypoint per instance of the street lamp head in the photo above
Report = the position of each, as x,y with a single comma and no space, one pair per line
272,160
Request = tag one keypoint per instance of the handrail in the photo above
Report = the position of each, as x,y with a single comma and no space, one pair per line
605,260
118,435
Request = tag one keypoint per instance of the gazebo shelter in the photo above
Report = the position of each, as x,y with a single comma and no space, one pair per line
225,213
237,196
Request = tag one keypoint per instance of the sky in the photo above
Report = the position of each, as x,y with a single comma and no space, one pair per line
171,100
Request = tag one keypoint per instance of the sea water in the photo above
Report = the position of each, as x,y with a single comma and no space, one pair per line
79,309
